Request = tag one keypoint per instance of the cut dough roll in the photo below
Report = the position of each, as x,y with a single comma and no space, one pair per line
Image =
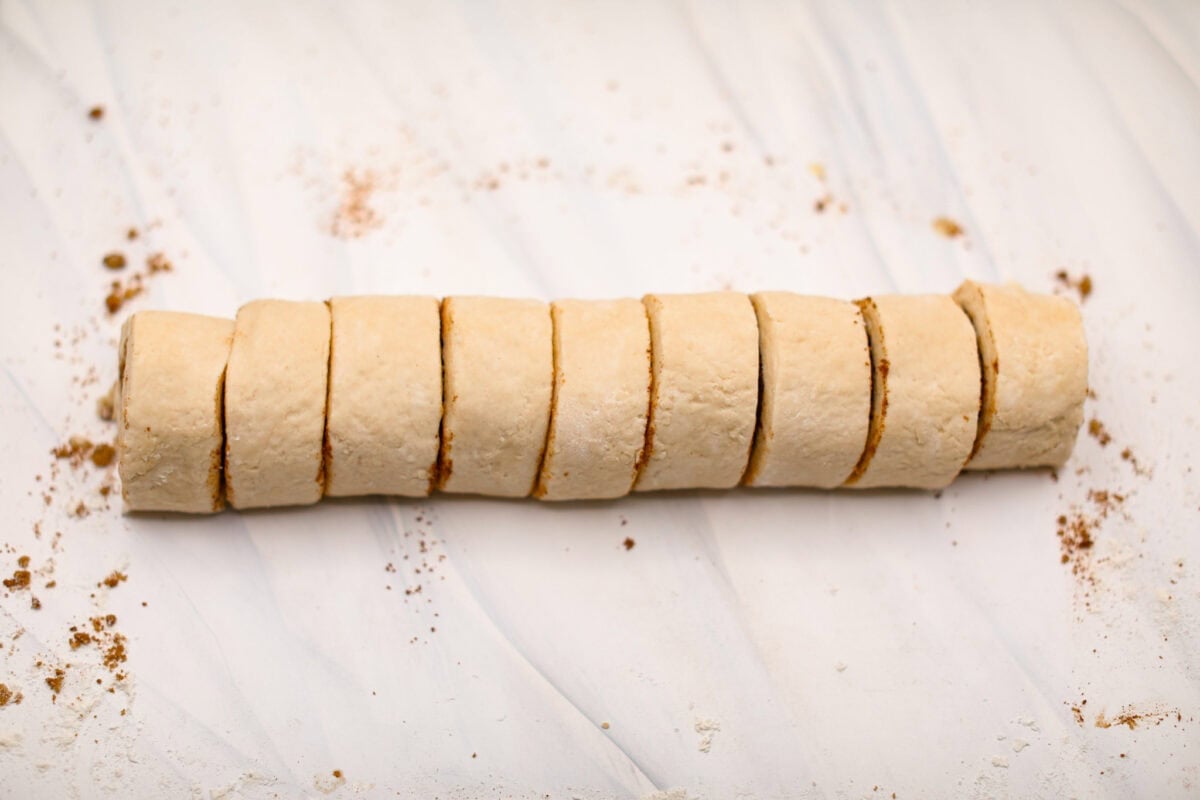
498,365
171,374
1033,356
925,392
704,391
275,404
601,399
385,396
815,408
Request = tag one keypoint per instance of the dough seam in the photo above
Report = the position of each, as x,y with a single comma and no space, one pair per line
643,456
879,395
445,464
555,371
987,382
435,469
216,474
752,469
539,484
326,446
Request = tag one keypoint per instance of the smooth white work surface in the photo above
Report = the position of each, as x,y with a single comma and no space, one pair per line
751,644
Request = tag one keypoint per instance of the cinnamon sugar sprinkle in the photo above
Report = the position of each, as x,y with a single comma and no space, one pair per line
354,217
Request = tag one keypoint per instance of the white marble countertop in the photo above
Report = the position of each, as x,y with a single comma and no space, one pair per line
750,644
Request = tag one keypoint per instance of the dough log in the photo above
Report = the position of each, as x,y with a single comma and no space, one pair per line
590,399
385,396
275,392
498,366
601,399
1033,356
171,371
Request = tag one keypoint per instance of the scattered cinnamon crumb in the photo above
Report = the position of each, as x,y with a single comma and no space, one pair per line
35,604
120,293
1131,718
115,654
1076,533
157,262
131,234
106,404
337,773
114,260
23,561
103,455
55,682
113,580
1082,284
629,543
354,217
74,451
822,203
605,725
5,695
96,113
18,581
1098,432
947,227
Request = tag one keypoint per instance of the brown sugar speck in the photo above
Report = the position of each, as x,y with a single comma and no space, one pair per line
337,773
19,580
35,604
947,227
131,234
5,695
55,682
115,654
23,561
1132,718
103,455
1098,432
113,580
157,262
1082,284
96,113
629,543
75,450
114,261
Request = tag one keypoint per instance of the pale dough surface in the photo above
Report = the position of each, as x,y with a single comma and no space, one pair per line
385,396
171,375
704,393
498,365
1035,367
926,392
816,391
275,391
601,399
